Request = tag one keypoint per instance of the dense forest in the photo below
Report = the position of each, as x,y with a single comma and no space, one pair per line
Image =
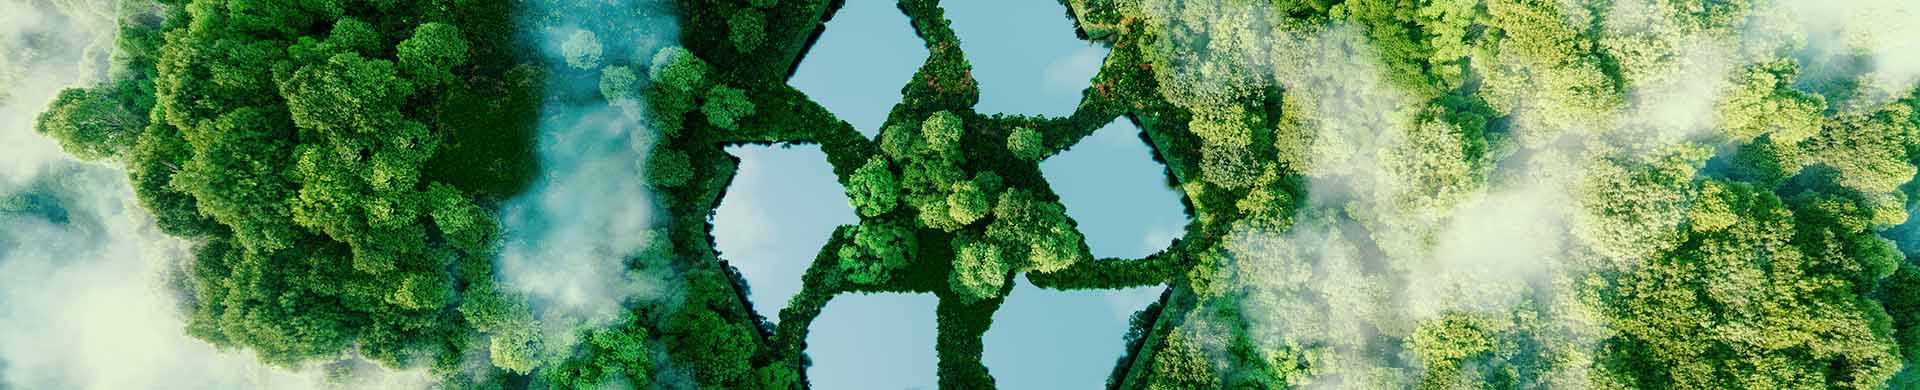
1432,194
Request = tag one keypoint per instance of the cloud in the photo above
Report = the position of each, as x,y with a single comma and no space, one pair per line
1158,237
567,240
1842,35
782,207
88,285
1069,74
88,297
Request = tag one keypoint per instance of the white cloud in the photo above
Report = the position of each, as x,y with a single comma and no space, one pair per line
1069,74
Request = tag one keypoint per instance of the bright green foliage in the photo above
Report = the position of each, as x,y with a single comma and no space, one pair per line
1540,64
1633,210
967,203
677,68
297,144
725,107
978,269
1182,365
431,53
1871,154
1385,194
1037,231
1432,167
746,29
582,50
1451,23
930,166
617,354
619,85
1026,144
872,190
1763,103
875,251
942,131
1446,344
1799,300
95,124
515,346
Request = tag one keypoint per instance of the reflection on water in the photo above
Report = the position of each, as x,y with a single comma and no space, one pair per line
784,203
782,207
880,341
856,69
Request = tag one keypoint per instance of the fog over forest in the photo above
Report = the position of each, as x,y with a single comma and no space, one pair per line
522,194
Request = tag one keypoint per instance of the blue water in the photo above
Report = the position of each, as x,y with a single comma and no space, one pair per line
782,207
1028,61
856,69
1046,339
880,341
1024,55
1118,194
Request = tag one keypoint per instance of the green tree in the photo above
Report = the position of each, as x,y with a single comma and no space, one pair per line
677,68
620,353
726,106
94,124
668,168
942,131
875,251
1036,231
746,29
1026,144
619,85
582,50
872,190
967,202
432,52
979,272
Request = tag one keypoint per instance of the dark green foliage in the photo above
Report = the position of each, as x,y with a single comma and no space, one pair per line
1901,296
746,29
336,162
304,145
668,168
712,347
876,251
432,52
1026,144
616,354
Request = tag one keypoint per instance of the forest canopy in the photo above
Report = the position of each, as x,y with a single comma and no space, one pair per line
1437,194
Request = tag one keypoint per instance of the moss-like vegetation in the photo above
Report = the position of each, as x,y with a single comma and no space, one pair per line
335,160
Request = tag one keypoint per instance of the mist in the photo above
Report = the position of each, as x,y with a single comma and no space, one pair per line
1388,239
1868,43
90,290
567,239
